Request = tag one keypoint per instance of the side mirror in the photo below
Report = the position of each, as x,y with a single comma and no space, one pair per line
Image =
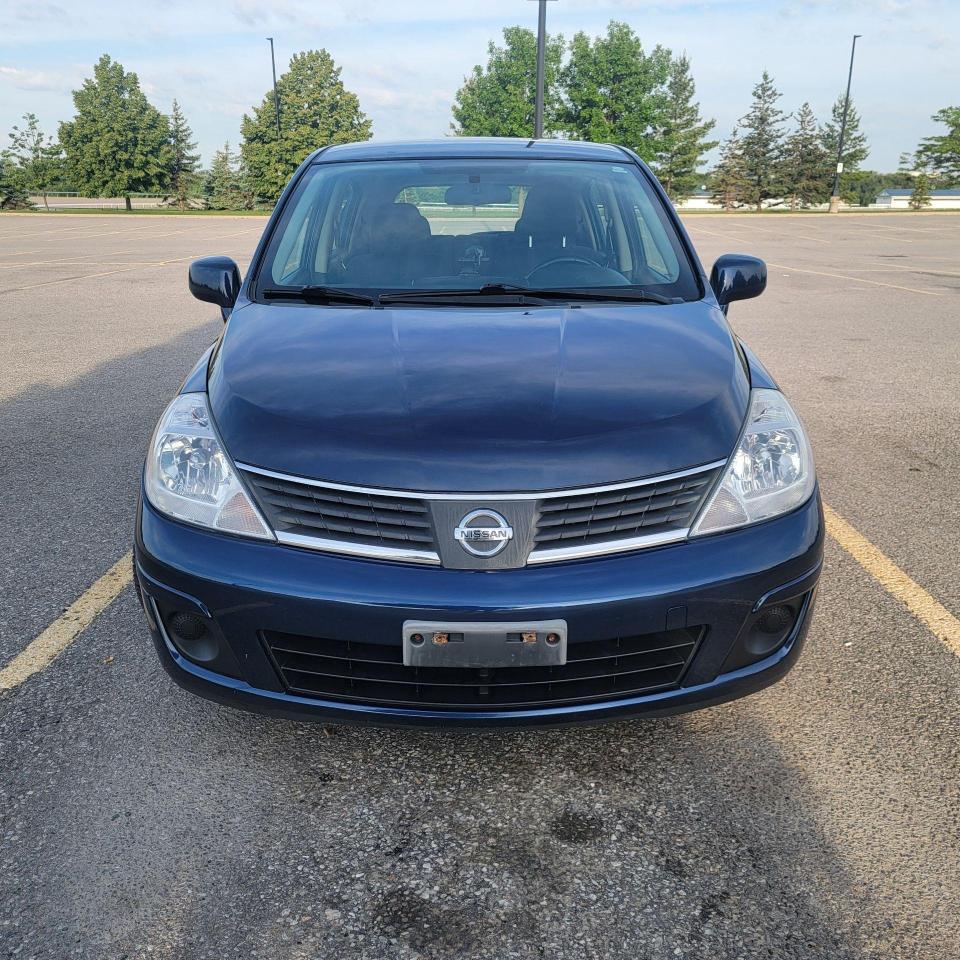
735,276
215,280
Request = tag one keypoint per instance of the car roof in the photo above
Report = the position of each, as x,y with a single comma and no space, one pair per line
502,148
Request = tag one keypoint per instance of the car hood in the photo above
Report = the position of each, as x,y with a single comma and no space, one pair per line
478,399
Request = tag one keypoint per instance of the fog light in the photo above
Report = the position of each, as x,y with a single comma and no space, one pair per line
193,637
766,631
776,619
187,626
771,629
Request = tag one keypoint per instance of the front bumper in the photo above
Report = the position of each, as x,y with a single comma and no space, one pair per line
250,589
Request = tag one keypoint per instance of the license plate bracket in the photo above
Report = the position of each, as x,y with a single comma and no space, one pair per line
521,643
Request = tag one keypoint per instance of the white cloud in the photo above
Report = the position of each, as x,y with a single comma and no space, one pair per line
406,58
36,79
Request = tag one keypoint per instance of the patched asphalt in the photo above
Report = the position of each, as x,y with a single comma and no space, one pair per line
817,819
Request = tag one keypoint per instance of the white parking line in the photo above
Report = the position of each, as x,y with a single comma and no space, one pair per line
843,276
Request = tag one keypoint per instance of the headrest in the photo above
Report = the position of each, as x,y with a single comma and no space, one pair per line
549,210
405,220
390,224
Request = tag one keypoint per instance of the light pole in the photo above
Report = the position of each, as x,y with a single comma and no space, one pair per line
276,98
835,195
541,66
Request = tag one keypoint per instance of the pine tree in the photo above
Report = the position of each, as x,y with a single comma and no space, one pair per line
118,143
920,197
855,149
316,110
728,182
615,92
13,195
223,186
497,100
762,143
806,167
184,161
682,142
38,158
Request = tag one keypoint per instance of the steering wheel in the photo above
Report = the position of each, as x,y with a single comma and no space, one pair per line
596,273
556,260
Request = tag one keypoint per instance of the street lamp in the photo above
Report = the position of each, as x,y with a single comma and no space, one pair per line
276,98
835,195
541,65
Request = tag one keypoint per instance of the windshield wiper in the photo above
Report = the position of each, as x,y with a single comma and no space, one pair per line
318,294
626,294
529,294
515,294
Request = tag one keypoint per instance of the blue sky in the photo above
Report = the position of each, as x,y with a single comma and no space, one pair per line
406,58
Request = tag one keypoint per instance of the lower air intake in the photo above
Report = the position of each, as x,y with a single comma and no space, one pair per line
370,673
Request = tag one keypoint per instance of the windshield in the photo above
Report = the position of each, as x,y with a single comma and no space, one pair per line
463,225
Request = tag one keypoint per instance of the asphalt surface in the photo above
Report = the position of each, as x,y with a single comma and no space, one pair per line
818,819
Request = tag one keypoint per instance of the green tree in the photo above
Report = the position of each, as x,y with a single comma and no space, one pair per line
13,194
118,143
920,197
316,110
942,153
682,138
763,144
498,100
855,149
226,186
616,93
728,182
863,187
37,157
184,161
806,167
907,164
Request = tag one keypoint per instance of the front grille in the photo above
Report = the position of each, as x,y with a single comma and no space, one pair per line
372,673
419,527
611,515
343,516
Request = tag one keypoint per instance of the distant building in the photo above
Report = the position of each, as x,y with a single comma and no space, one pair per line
939,199
699,199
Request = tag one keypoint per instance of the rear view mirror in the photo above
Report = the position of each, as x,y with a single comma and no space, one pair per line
735,276
477,194
215,280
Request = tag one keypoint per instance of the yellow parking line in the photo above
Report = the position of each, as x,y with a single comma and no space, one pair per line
59,280
843,276
94,276
42,650
80,262
930,612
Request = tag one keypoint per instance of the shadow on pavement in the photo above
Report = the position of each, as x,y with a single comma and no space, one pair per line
135,816
70,457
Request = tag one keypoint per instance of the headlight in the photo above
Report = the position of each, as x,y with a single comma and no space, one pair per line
770,473
190,477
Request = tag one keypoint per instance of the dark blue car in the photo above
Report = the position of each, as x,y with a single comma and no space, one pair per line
477,445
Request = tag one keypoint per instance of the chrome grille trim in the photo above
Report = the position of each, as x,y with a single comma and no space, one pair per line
604,548
484,494
536,556
369,550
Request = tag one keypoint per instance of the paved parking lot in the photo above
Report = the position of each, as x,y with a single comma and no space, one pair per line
818,819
